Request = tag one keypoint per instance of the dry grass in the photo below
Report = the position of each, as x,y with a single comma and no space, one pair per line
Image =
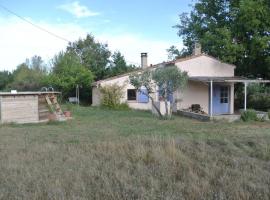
134,156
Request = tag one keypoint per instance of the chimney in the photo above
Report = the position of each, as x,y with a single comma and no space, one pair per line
197,49
144,60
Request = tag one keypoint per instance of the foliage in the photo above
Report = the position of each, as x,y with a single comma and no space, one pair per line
173,53
29,75
111,96
168,79
258,96
249,115
5,79
143,79
92,54
118,65
67,73
235,31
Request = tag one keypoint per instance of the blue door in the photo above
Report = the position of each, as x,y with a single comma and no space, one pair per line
221,100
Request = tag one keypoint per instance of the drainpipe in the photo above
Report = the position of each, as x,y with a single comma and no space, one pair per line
211,98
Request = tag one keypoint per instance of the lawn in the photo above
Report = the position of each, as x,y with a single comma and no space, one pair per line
103,154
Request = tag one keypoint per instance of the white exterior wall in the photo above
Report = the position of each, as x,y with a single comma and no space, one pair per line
96,96
206,66
194,93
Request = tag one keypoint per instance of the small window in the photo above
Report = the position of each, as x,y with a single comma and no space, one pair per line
224,95
131,95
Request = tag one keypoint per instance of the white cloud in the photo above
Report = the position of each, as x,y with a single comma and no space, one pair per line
131,45
78,10
20,40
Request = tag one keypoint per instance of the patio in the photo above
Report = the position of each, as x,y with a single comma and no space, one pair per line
221,98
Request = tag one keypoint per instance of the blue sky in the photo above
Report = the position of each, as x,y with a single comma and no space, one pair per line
129,26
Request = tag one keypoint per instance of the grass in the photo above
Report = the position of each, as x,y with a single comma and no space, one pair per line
105,154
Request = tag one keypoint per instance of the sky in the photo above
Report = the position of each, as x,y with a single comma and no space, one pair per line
130,27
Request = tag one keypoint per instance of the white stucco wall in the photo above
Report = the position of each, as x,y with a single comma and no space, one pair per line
124,80
206,66
194,93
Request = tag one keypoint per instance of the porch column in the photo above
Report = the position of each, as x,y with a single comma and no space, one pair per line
232,99
245,103
211,98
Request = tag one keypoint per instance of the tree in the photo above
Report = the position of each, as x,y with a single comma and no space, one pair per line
236,31
67,73
173,53
119,65
92,54
168,79
29,75
5,79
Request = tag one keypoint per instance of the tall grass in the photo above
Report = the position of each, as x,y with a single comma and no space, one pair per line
75,161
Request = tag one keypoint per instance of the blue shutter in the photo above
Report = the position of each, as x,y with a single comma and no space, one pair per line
170,97
142,96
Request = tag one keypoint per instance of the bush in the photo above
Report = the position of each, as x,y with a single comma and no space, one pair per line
249,115
123,106
111,97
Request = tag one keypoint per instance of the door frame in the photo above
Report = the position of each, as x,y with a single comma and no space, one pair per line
229,98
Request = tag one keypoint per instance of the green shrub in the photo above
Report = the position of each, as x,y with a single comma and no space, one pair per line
269,114
123,106
111,97
249,115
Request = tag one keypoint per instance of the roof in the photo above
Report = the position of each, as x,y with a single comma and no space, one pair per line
199,55
26,93
233,79
158,65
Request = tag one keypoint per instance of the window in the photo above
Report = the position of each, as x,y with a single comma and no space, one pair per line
224,94
131,95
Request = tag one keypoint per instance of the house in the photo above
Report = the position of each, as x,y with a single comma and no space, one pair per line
210,85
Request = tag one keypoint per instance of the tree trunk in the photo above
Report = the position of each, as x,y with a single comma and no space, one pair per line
156,108
153,103
166,104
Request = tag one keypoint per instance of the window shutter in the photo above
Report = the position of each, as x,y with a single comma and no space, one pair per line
170,98
142,96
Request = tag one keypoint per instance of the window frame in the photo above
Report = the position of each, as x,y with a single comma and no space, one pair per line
224,95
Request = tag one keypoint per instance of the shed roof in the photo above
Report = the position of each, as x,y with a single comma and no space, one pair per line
26,93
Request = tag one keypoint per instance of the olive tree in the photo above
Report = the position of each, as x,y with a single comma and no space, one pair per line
168,79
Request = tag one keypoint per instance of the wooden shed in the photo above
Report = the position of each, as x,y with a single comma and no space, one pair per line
29,107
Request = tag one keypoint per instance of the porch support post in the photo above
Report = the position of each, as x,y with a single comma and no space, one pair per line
211,98
245,103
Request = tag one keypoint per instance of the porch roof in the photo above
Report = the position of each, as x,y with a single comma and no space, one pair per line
233,79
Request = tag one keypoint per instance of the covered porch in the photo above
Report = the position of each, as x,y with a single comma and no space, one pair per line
221,96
